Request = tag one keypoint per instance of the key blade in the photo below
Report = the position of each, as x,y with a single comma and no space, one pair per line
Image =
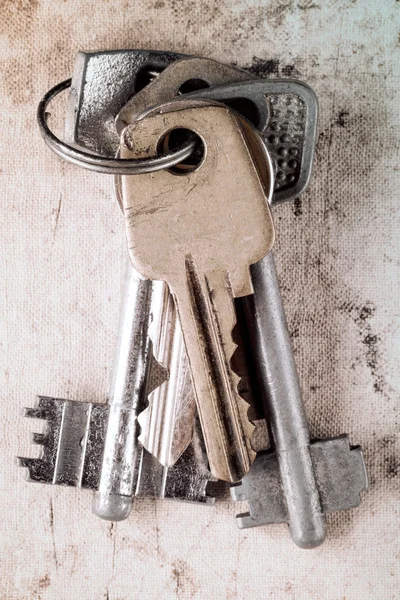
167,423
208,314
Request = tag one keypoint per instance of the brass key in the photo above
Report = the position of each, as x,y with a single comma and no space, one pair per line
199,231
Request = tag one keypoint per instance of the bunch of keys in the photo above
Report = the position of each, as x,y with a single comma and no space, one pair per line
204,150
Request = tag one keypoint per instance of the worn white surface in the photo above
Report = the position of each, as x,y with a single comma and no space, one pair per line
62,263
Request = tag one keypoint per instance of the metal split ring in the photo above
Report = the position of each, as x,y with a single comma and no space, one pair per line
101,164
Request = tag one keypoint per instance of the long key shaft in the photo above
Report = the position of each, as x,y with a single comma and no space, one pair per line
114,498
283,404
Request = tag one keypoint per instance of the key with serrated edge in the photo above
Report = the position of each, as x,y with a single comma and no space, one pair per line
255,98
200,232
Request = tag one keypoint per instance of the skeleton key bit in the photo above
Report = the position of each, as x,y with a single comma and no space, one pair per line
183,230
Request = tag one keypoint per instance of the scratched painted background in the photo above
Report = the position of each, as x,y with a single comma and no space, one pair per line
62,261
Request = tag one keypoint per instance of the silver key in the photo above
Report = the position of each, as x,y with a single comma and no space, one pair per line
299,482
93,106
290,138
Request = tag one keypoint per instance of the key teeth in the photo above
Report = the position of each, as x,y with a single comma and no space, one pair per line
243,406
244,521
340,472
50,410
45,408
25,463
39,438
32,413
238,493
144,416
32,466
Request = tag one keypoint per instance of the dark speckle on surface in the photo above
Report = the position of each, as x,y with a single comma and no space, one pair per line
263,68
342,118
297,207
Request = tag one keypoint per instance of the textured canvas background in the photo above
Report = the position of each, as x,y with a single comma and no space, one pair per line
62,263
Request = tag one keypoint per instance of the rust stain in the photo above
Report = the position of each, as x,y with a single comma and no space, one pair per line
44,582
185,584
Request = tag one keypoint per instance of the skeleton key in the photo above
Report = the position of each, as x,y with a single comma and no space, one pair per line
285,113
201,240
94,104
110,461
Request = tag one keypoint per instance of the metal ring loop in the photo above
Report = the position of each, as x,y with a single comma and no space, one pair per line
93,162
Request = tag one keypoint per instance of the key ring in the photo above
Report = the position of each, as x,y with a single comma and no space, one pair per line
100,164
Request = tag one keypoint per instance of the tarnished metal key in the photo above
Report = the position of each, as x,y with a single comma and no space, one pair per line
166,425
95,446
297,482
292,485
200,231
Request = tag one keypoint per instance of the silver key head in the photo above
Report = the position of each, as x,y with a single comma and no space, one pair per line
102,83
191,73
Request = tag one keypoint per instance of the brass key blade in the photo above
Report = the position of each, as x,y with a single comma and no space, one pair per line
208,314
199,231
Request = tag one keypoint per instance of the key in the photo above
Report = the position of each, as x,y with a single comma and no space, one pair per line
91,115
73,446
285,112
127,468
315,477
253,98
162,431
201,240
